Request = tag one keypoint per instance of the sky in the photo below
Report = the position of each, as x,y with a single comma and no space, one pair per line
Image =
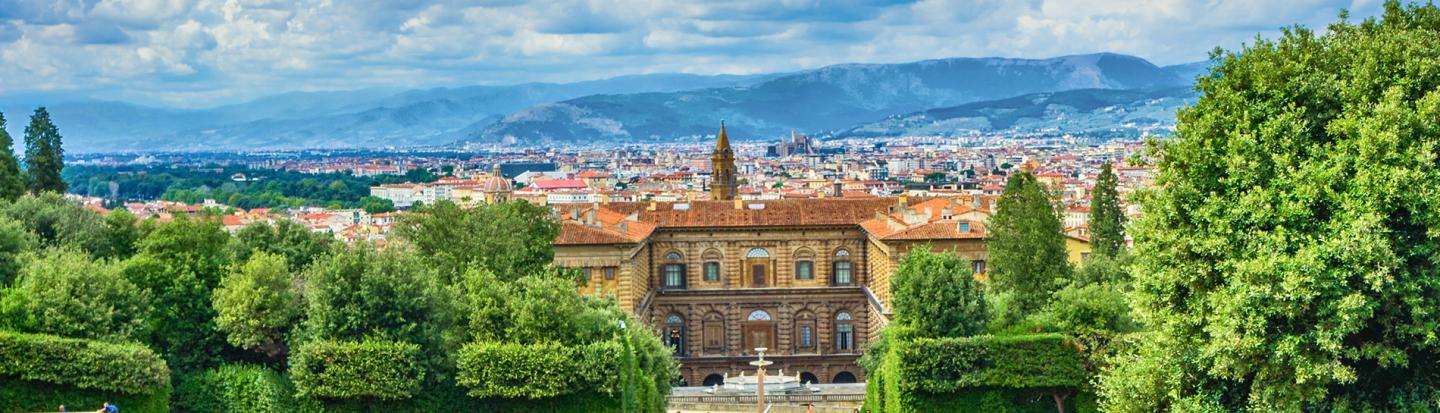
200,53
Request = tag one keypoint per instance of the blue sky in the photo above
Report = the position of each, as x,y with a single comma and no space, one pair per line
195,53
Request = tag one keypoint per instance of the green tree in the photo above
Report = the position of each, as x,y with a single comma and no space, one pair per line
937,295
44,155
1026,248
12,182
64,292
376,205
180,263
510,239
15,241
362,292
121,233
298,244
58,222
256,305
1287,260
1107,220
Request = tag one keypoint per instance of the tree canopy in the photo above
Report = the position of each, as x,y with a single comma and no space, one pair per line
257,304
1288,259
12,182
64,292
937,295
1107,220
44,154
1026,247
509,239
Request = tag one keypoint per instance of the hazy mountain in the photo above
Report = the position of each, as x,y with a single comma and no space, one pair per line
1094,112
825,99
368,117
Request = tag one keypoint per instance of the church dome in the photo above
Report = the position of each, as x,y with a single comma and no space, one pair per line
496,182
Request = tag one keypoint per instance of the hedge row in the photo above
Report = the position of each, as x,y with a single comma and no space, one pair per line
538,371
85,364
235,389
384,370
33,396
981,373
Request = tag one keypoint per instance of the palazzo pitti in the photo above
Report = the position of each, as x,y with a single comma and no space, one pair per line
806,278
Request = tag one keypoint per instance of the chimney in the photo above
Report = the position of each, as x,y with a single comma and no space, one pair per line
839,188
739,204
590,217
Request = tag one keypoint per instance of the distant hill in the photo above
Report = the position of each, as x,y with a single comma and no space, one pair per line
640,108
830,98
1095,112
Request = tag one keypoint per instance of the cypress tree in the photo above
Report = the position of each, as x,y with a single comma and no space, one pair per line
1027,247
44,157
12,184
1107,220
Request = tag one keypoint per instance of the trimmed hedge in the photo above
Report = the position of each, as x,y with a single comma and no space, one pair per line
41,372
981,373
538,371
384,370
235,388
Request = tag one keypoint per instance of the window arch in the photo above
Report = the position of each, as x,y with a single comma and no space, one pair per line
844,332
757,253
758,315
673,272
809,378
675,333
714,380
842,253
843,377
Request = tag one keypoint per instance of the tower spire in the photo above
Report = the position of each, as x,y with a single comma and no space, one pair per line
722,141
722,164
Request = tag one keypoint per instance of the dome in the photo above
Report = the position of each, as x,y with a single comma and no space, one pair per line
495,183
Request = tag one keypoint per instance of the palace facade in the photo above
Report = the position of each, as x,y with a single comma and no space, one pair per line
808,279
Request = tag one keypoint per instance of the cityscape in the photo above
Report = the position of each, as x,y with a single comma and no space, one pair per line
306,206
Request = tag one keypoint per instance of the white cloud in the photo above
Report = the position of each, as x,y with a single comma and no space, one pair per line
205,52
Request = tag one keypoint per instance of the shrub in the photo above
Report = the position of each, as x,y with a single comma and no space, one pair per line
125,368
235,388
41,372
386,370
982,373
537,371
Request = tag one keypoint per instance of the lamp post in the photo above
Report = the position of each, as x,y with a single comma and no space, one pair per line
760,379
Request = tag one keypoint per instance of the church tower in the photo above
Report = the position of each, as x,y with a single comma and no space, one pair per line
722,185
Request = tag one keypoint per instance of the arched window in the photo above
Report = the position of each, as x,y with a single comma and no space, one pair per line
804,264
808,377
712,265
675,333
673,271
758,315
757,253
844,377
841,270
844,332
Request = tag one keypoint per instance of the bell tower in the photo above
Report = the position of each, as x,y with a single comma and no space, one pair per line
722,185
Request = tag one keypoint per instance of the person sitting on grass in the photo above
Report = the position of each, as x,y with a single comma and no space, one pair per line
109,408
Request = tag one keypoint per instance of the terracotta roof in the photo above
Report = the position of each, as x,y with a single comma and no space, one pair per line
558,184
788,212
579,226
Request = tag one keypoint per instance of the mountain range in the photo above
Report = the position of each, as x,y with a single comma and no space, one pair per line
932,97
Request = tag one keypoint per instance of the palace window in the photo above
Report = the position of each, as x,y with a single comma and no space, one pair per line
804,264
585,274
609,273
842,273
713,334
978,266
807,336
674,271
805,331
712,271
675,333
844,332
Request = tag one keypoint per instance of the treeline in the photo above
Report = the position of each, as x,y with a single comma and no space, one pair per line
183,316
275,188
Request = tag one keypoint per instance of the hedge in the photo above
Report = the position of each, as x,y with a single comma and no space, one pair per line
384,370
235,388
538,371
41,372
981,373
